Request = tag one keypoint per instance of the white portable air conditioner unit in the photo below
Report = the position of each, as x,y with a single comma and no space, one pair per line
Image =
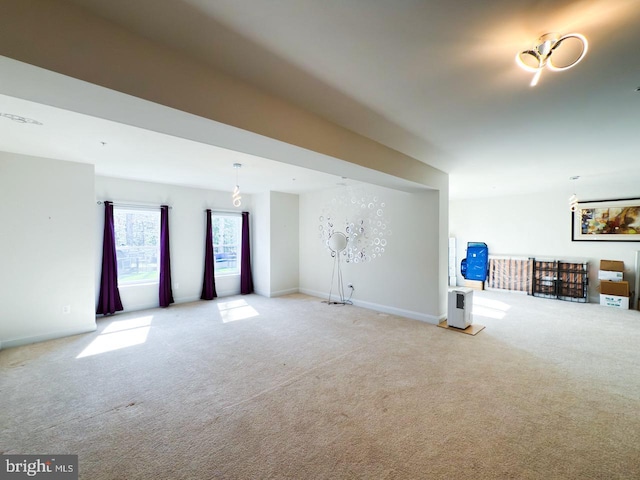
460,305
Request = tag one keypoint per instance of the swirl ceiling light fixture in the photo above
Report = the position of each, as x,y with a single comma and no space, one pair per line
540,56
237,199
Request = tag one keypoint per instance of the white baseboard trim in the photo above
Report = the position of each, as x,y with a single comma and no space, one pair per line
227,293
17,342
423,317
314,293
262,293
195,298
279,293
288,291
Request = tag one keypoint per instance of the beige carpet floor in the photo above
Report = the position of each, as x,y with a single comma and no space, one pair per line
252,388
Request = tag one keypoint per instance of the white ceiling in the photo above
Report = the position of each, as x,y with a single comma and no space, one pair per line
431,78
124,151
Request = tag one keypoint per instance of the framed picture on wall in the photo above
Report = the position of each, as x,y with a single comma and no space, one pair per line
606,221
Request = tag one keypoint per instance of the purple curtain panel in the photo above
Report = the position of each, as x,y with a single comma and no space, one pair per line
209,281
109,301
166,295
246,282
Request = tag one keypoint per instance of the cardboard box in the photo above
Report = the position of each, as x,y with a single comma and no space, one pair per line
614,294
612,265
611,270
620,289
614,301
475,284
610,275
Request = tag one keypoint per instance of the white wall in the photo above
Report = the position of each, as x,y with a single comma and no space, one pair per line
406,279
536,225
442,199
47,243
187,230
284,244
275,251
261,247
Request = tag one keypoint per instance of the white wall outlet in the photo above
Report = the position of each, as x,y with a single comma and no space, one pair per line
176,286
66,309
350,285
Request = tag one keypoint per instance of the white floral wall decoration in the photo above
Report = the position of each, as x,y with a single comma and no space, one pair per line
360,216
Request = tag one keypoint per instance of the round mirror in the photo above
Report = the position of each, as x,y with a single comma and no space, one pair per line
338,242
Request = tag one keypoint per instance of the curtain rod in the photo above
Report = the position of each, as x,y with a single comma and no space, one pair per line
216,210
133,205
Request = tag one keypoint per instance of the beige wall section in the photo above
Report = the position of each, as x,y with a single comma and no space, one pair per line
83,46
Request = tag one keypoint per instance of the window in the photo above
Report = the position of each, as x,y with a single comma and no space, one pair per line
137,245
226,243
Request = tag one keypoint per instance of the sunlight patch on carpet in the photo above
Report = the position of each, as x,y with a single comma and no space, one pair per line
486,307
236,310
119,334
120,325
